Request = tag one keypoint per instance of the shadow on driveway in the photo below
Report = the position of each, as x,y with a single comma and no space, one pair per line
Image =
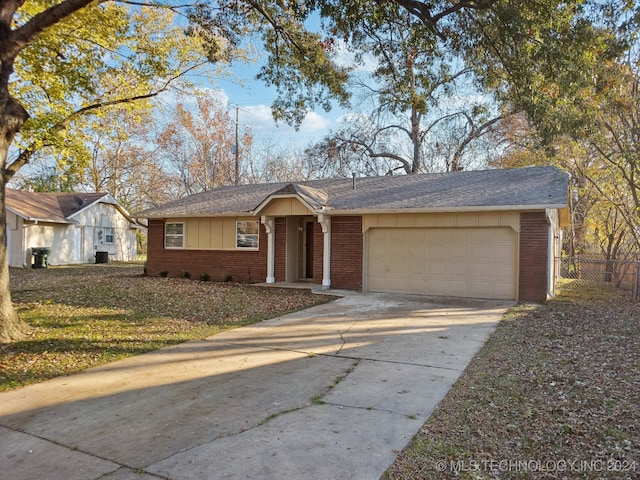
335,391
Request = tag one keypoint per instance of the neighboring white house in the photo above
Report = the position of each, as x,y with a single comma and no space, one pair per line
74,225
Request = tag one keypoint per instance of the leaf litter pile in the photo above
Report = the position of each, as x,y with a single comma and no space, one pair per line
553,394
85,316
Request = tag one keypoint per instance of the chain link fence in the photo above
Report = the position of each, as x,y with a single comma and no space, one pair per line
624,275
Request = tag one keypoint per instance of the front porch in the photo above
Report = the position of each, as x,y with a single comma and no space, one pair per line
298,249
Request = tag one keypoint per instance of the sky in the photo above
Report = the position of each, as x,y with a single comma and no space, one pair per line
254,100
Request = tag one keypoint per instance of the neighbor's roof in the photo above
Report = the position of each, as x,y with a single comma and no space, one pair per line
509,189
53,207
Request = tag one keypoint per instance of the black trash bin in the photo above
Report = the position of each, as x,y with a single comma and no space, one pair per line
102,257
40,257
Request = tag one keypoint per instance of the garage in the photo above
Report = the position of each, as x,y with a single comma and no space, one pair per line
461,262
492,234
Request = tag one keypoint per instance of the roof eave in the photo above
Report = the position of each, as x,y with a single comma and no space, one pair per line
195,215
490,208
49,220
369,211
16,212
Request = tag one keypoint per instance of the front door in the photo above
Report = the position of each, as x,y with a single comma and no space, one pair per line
309,251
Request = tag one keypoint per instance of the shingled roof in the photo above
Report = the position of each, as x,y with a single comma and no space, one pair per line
509,189
50,207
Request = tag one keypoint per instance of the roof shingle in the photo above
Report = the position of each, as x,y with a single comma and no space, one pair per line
525,188
49,207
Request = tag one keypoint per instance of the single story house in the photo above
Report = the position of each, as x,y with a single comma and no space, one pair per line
485,234
74,225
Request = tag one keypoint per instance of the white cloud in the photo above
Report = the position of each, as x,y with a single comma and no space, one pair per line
171,98
259,118
314,122
352,117
345,57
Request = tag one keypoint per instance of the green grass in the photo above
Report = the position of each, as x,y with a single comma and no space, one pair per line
84,316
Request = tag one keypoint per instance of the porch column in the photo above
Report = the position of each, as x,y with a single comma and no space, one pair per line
325,223
269,226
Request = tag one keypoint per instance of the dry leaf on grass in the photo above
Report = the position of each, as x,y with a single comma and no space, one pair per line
552,394
88,315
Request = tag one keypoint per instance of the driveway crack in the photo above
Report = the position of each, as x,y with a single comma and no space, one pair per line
342,339
118,464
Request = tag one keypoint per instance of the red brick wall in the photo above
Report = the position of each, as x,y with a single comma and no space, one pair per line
250,266
245,266
346,252
533,257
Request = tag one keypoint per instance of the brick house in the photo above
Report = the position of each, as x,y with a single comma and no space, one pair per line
485,234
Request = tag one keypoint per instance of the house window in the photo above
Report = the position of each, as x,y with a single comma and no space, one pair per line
247,234
174,235
108,234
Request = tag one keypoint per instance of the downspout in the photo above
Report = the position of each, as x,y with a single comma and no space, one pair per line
551,252
269,226
325,223
24,244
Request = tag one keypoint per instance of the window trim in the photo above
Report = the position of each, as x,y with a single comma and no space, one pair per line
174,235
109,232
247,235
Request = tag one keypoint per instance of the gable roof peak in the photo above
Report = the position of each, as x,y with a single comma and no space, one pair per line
55,207
288,189
313,198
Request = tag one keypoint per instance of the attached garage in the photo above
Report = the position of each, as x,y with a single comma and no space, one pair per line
461,262
477,234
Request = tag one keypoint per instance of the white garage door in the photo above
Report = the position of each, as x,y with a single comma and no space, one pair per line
461,262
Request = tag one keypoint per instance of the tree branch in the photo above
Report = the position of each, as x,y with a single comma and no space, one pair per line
25,155
24,35
424,10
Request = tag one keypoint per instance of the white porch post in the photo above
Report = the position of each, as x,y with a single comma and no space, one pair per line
325,223
269,226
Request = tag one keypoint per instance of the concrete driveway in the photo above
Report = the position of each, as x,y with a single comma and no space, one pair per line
332,392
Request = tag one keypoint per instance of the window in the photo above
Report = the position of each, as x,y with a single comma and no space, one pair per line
108,234
247,234
174,235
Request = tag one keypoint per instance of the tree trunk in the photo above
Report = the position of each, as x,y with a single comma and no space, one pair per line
11,326
416,141
12,117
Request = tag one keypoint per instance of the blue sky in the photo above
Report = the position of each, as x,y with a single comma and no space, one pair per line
254,101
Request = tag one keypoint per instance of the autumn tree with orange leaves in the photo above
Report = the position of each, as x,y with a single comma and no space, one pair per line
198,147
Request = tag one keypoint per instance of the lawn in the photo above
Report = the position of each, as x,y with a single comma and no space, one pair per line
84,316
553,394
